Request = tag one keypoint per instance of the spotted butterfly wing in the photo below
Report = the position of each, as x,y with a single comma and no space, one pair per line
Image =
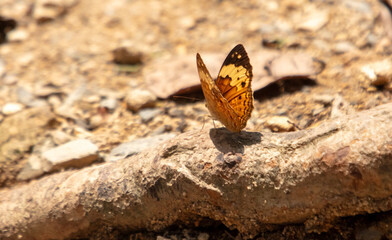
230,98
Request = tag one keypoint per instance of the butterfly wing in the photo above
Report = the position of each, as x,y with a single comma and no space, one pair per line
218,106
234,82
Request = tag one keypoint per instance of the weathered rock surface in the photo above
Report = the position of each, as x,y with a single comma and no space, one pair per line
246,181
77,153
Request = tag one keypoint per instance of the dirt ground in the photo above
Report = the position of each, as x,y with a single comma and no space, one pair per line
63,48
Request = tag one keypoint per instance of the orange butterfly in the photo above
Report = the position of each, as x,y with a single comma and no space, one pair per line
230,98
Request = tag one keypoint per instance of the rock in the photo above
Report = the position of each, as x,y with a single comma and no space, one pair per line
9,79
187,22
109,103
360,6
124,55
378,73
325,99
176,112
371,233
314,21
11,108
59,137
96,121
77,153
131,148
18,35
33,169
343,47
28,99
48,10
159,237
280,124
148,114
139,98
203,236
25,59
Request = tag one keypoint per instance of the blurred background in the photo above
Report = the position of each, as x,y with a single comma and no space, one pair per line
122,71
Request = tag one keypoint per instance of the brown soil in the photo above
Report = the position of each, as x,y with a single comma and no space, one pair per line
75,49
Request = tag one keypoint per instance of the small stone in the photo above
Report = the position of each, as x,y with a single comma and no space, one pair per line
370,233
18,35
109,103
343,47
280,124
140,98
77,153
33,169
9,79
28,99
203,236
379,73
162,238
325,99
96,121
360,6
124,55
60,137
11,108
25,59
175,112
314,21
48,10
148,114
131,148
187,22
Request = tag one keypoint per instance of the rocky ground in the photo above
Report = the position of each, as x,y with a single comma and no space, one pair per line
83,82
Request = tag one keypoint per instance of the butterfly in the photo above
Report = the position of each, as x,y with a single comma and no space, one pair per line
229,99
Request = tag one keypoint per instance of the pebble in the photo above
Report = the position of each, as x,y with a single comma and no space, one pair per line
25,59
59,137
176,112
96,121
314,21
131,148
140,98
18,35
379,73
11,108
280,124
33,169
360,6
48,10
343,47
148,114
109,103
124,55
77,153
325,99
369,233
28,99
203,236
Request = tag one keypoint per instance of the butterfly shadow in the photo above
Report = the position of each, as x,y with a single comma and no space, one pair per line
229,142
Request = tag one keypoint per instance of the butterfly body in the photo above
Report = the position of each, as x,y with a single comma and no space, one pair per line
229,99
